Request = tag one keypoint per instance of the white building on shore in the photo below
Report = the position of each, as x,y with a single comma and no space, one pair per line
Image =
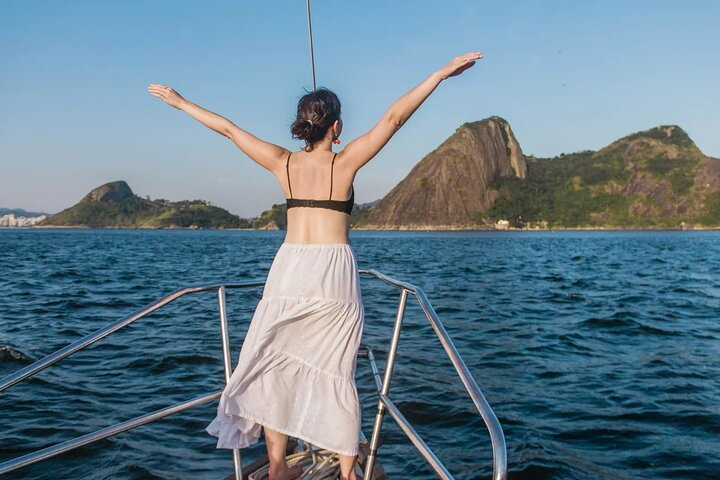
10,220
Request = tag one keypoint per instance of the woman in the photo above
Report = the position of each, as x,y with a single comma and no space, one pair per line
296,371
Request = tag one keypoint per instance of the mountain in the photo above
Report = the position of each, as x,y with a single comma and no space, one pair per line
656,178
115,205
453,185
479,176
273,219
19,212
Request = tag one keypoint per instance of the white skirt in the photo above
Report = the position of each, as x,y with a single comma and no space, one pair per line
296,372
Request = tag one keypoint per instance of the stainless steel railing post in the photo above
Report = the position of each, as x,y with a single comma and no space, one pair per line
227,361
372,455
417,440
497,437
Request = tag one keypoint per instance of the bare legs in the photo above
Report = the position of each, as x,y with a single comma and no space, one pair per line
347,467
276,443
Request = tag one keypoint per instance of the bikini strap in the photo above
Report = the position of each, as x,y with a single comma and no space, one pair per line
287,168
331,175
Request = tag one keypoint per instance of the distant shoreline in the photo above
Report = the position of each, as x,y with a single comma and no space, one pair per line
537,229
400,229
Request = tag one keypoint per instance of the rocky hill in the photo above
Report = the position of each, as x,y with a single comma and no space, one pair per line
455,183
657,178
115,205
479,176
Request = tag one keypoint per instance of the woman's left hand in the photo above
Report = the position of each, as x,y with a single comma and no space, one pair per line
459,64
166,94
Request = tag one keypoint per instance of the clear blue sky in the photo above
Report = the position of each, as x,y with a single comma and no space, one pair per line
567,75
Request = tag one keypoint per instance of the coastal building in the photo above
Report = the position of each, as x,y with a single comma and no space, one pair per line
10,220
502,225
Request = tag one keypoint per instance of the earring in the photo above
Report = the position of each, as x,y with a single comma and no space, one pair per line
336,141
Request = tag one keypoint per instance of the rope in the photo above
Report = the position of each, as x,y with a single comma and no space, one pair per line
317,464
321,465
312,51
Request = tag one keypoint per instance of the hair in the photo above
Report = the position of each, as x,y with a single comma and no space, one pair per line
316,113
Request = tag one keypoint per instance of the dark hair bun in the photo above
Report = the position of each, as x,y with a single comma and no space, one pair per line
316,113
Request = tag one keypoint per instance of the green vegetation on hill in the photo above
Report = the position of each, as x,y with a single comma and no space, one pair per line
558,191
361,212
140,213
712,211
669,134
652,179
114,205
678,171
644,180
273,218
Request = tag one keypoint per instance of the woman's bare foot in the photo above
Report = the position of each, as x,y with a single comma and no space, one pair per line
286,473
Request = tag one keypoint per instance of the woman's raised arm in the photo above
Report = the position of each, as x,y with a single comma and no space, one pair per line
267,154
361,150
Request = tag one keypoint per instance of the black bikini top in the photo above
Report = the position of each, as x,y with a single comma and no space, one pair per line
345,206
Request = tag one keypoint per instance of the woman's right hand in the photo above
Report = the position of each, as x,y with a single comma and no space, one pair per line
166,94
459,64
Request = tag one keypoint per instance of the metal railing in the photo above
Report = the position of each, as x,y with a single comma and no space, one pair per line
30,370
497,438
382,385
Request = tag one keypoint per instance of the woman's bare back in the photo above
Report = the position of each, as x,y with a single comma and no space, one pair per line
310,178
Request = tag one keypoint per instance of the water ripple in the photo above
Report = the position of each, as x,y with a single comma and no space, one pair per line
597,350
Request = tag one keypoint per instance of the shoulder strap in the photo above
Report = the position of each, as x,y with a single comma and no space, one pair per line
331,175
287,169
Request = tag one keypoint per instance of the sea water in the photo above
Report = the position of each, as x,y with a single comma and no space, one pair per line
598,351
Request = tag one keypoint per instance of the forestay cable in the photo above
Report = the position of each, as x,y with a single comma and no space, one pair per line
312,51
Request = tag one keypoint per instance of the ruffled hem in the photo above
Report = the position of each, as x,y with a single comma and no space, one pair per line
234,431
304,401
225,426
